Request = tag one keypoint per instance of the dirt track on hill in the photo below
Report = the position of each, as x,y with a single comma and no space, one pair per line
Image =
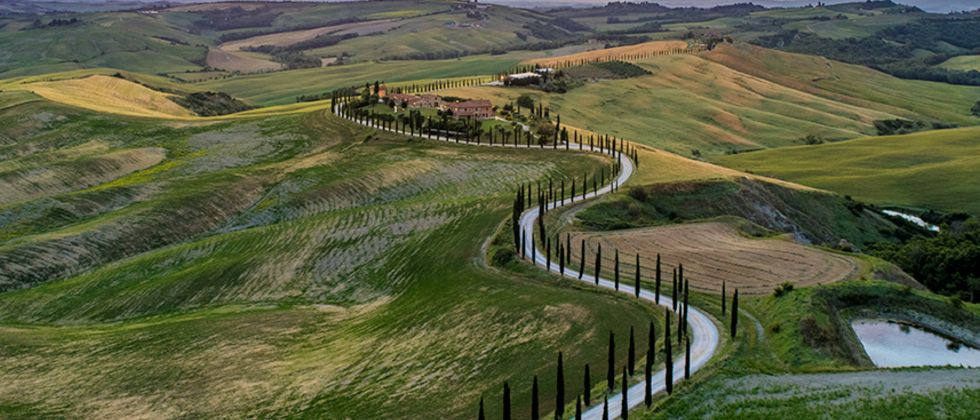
713,252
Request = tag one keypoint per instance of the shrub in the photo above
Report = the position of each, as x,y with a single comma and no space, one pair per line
639,193
783,289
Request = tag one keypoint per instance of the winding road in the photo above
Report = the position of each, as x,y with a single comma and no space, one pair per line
705,333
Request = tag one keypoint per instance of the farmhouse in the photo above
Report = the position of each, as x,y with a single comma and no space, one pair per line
478,109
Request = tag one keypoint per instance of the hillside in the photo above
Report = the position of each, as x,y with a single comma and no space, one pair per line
741,97
935,169
279,243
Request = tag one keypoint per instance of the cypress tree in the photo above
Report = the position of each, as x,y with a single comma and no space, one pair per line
560,389
624,412
534,399
598,264
636,288
669,378
616,270
587,385
482,416
581,268
680,326
561,260
631,356
547,251
687,359
605,408
578,407
506,401
673,291
611,365
687,289
648,372
734,312
657,293
723,298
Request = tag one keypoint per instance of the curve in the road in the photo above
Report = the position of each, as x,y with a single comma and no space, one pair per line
703,330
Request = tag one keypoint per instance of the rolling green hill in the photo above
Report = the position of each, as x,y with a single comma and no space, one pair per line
935,169
741,97
335,266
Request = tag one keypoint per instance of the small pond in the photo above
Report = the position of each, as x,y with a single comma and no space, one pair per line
892,344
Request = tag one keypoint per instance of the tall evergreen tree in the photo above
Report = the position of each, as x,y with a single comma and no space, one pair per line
506,401
535,409
668,357
648,370
723,298
616,270
587,386
673,291
581,268
636,287
657,292
598,263
611,365
734,312
687,358
481,416
605,408
631,356
560,389
687,289
578,408
624,412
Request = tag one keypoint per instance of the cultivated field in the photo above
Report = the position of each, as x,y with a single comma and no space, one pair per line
715,252
935,169
655,47
109,94
239,61
282,39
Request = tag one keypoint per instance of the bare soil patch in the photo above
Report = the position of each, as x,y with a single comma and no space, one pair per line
236,61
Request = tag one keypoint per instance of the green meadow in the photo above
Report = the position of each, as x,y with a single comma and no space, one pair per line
934,169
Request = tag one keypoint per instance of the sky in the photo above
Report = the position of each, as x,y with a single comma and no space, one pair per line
937,6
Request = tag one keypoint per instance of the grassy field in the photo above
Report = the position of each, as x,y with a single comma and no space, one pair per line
109,94
283,87
744,98
772,371
935,169
963,62
339,270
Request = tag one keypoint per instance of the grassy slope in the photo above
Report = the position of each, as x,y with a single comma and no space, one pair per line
935,169
963,62
741,97
284,87
123,40
327,272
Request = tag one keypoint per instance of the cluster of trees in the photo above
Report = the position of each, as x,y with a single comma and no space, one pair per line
902,126
947,263
208,104
897,50
236,18
56,22
325,40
